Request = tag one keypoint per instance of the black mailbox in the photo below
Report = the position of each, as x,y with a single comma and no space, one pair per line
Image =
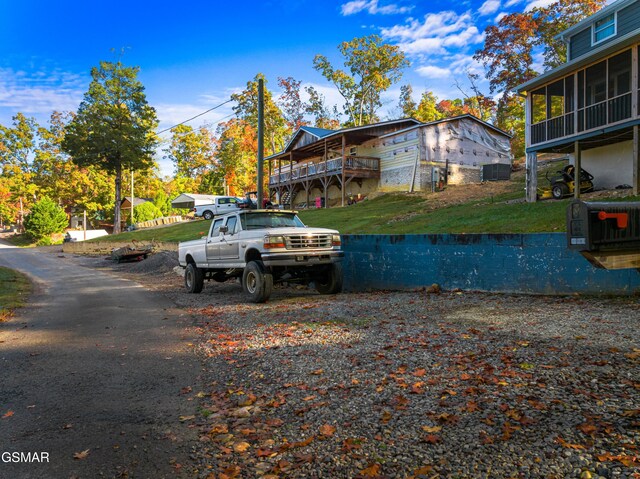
603,226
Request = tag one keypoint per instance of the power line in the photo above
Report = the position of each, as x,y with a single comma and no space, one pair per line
166,140
194,117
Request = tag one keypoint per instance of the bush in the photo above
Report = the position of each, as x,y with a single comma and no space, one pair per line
146,211
46,218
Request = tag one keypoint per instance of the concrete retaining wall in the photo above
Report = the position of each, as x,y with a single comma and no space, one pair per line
511,263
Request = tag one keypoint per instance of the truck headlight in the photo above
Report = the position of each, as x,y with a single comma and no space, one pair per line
335,240
274,242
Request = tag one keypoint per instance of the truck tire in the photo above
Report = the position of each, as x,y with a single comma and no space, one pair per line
207,215
193,279
331,282
257,282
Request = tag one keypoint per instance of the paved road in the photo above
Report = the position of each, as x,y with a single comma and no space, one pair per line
94,363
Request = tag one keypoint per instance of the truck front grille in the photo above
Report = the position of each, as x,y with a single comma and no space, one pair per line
308,241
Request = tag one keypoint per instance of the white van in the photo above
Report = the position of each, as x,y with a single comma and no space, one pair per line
220,206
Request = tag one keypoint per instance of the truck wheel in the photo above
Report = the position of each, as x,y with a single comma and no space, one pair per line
331,282
256,282
193,279
207,215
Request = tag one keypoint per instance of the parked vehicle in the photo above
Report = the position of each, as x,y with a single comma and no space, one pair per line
263,247
220,205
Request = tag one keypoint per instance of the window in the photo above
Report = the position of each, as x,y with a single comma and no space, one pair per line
555,94
604,28
596,83
538,106
231,224
215,231
620,74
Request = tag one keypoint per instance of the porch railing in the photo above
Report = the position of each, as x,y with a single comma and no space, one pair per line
591,117
353,164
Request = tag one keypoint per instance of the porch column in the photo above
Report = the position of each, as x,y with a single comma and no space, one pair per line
324,183
344,160
531,168
578,169
636,162
291,180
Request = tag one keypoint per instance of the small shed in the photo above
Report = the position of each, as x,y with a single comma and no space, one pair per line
126,202
191,200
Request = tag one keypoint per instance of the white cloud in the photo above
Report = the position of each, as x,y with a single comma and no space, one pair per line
39,93
372,7
538,4
489,7
499,17
435,34
434,72
511,3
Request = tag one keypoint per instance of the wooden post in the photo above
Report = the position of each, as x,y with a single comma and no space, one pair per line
344,146
84,224
636,162
532,177
132,197
260,141
577,169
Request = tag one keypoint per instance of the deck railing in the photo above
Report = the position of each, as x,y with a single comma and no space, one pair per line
309,170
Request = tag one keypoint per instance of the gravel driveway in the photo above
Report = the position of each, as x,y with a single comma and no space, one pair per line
412,384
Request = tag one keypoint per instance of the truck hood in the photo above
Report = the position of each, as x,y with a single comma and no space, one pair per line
298,231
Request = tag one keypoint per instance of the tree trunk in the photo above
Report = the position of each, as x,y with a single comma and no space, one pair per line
116,211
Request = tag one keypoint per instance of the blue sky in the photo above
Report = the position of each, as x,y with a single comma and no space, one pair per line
193,55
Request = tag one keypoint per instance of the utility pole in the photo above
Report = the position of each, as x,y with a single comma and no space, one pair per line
260,140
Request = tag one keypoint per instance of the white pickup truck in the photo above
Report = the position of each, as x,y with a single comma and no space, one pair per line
220,205
263,247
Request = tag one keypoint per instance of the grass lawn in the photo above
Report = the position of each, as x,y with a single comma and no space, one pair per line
397,213
170,233
14,289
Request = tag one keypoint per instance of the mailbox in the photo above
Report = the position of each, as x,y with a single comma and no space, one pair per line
605,230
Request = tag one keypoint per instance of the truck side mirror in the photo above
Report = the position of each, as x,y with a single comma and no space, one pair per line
224,229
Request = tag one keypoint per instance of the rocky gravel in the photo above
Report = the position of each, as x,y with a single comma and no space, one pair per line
411,384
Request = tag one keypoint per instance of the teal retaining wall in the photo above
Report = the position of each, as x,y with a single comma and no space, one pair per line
509,263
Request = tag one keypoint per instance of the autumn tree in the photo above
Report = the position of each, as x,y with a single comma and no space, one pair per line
427,109
292,105
114,126
371,67
192,153
56,175
316,106
276,130
407,104
237,149
17,147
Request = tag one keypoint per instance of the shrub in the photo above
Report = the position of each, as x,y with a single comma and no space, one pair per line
146,211
46,218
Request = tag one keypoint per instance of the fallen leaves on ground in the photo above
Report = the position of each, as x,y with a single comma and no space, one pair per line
81,455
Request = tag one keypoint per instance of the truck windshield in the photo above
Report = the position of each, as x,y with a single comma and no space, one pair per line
255,221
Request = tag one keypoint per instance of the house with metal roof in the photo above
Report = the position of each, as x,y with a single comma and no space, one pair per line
321,167
588,107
